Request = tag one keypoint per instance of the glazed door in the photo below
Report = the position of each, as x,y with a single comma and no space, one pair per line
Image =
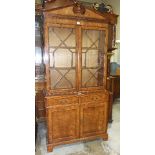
93,65
77,58
62,58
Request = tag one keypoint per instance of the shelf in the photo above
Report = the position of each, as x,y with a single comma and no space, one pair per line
62,68
72,48
110,53
66,68
118,41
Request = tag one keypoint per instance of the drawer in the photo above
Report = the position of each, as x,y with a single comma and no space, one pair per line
96,97
61,100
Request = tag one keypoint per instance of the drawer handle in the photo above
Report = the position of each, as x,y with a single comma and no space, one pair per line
95,98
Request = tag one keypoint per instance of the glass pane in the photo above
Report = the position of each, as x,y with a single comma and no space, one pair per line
92,58
62,57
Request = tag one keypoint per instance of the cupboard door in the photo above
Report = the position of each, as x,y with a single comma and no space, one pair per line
63,123
93,50
62,53
93,119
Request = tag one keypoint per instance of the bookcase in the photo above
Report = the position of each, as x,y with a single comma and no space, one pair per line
77,44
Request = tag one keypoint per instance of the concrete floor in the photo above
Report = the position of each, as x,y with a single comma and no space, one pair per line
96,147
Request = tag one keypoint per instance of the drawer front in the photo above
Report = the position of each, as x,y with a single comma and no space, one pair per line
61,100
96,97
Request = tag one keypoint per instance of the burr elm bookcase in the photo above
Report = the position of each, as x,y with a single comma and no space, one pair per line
78,42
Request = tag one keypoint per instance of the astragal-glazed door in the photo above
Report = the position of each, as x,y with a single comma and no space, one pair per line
93,68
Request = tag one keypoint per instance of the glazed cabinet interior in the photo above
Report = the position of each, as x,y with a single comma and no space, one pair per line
75,56
76,65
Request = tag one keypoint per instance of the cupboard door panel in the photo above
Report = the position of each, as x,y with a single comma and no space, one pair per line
93,119
63,123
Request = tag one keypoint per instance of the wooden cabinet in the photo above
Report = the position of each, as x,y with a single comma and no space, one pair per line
76,47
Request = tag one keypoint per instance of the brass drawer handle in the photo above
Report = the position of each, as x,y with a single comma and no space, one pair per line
95,98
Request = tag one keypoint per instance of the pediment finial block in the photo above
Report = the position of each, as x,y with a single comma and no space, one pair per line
79,9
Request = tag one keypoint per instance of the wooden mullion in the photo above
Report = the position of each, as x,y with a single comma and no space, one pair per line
85,59
78,56
101,51
105,60
53,59
72,60
47,57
